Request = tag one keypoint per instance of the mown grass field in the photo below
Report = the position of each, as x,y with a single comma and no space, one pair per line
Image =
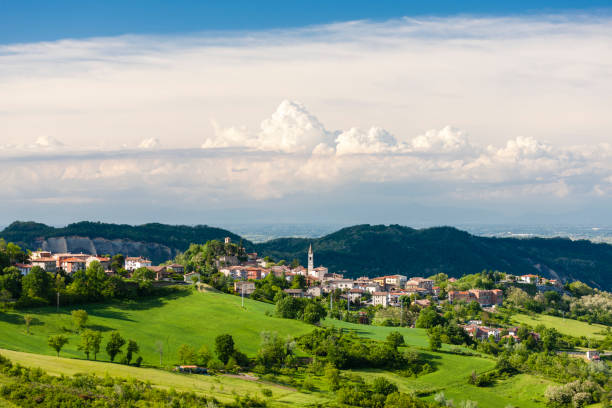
221,387
193,318
566,326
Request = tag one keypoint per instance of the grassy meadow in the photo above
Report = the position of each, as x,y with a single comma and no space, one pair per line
196,318
566,326
189,317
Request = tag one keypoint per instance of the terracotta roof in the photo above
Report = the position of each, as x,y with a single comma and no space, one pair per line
380,293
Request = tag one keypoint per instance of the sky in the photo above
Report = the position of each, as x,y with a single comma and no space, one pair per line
338,112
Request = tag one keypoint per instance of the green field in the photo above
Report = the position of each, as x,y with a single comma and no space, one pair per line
193,318
196,318
566,326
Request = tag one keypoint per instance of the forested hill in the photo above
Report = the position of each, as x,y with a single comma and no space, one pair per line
384,250
159,242
359,250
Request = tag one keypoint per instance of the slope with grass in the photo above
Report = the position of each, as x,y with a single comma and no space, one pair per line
221,387
569,327
188,317
196,318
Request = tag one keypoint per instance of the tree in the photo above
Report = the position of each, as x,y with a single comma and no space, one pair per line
203,356
28,320
36,284
117,262
314,312
90,342
113,347
79,318
5,297
428,317
57,342
144,274
517,297
383,386
132,348
186,354
435,340
396,339
224,347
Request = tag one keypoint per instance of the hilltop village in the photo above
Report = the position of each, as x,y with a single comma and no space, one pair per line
244,271
483,331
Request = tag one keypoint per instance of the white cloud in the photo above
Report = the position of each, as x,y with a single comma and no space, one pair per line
150,143
47,142
358,141
445,140
506,81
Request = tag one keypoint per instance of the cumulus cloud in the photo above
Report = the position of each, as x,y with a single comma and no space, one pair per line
445,140
150,143
290,129
358,141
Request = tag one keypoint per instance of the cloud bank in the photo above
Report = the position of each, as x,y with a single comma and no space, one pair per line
494,112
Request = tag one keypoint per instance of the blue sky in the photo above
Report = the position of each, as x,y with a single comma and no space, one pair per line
43,20
495,112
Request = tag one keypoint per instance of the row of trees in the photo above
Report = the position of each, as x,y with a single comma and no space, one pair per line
90,345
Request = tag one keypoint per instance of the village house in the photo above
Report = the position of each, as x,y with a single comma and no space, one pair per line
104,261
380,298
188,277
244,287
341,284
300,270
422,302
48,264
395,281
134,262
176,268
421,283
484,297
71,265
355,294
234,272
529,278
314,291
24,269
298,293
40,254
482,333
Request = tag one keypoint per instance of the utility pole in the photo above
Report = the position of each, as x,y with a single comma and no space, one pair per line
401,311
348,302
242,294
58,301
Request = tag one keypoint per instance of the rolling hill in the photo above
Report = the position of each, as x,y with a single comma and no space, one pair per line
356,251
196,318
394,249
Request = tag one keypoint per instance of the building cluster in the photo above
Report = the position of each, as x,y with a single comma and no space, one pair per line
68,262
71,263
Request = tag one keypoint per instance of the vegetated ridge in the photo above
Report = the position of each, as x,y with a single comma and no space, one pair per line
385,250
158,242
356,251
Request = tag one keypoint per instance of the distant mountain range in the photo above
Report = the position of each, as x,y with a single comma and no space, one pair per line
356,251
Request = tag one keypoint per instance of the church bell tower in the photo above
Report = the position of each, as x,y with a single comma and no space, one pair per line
310,261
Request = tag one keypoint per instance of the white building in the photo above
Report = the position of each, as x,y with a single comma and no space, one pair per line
133,263
380,298
48,264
